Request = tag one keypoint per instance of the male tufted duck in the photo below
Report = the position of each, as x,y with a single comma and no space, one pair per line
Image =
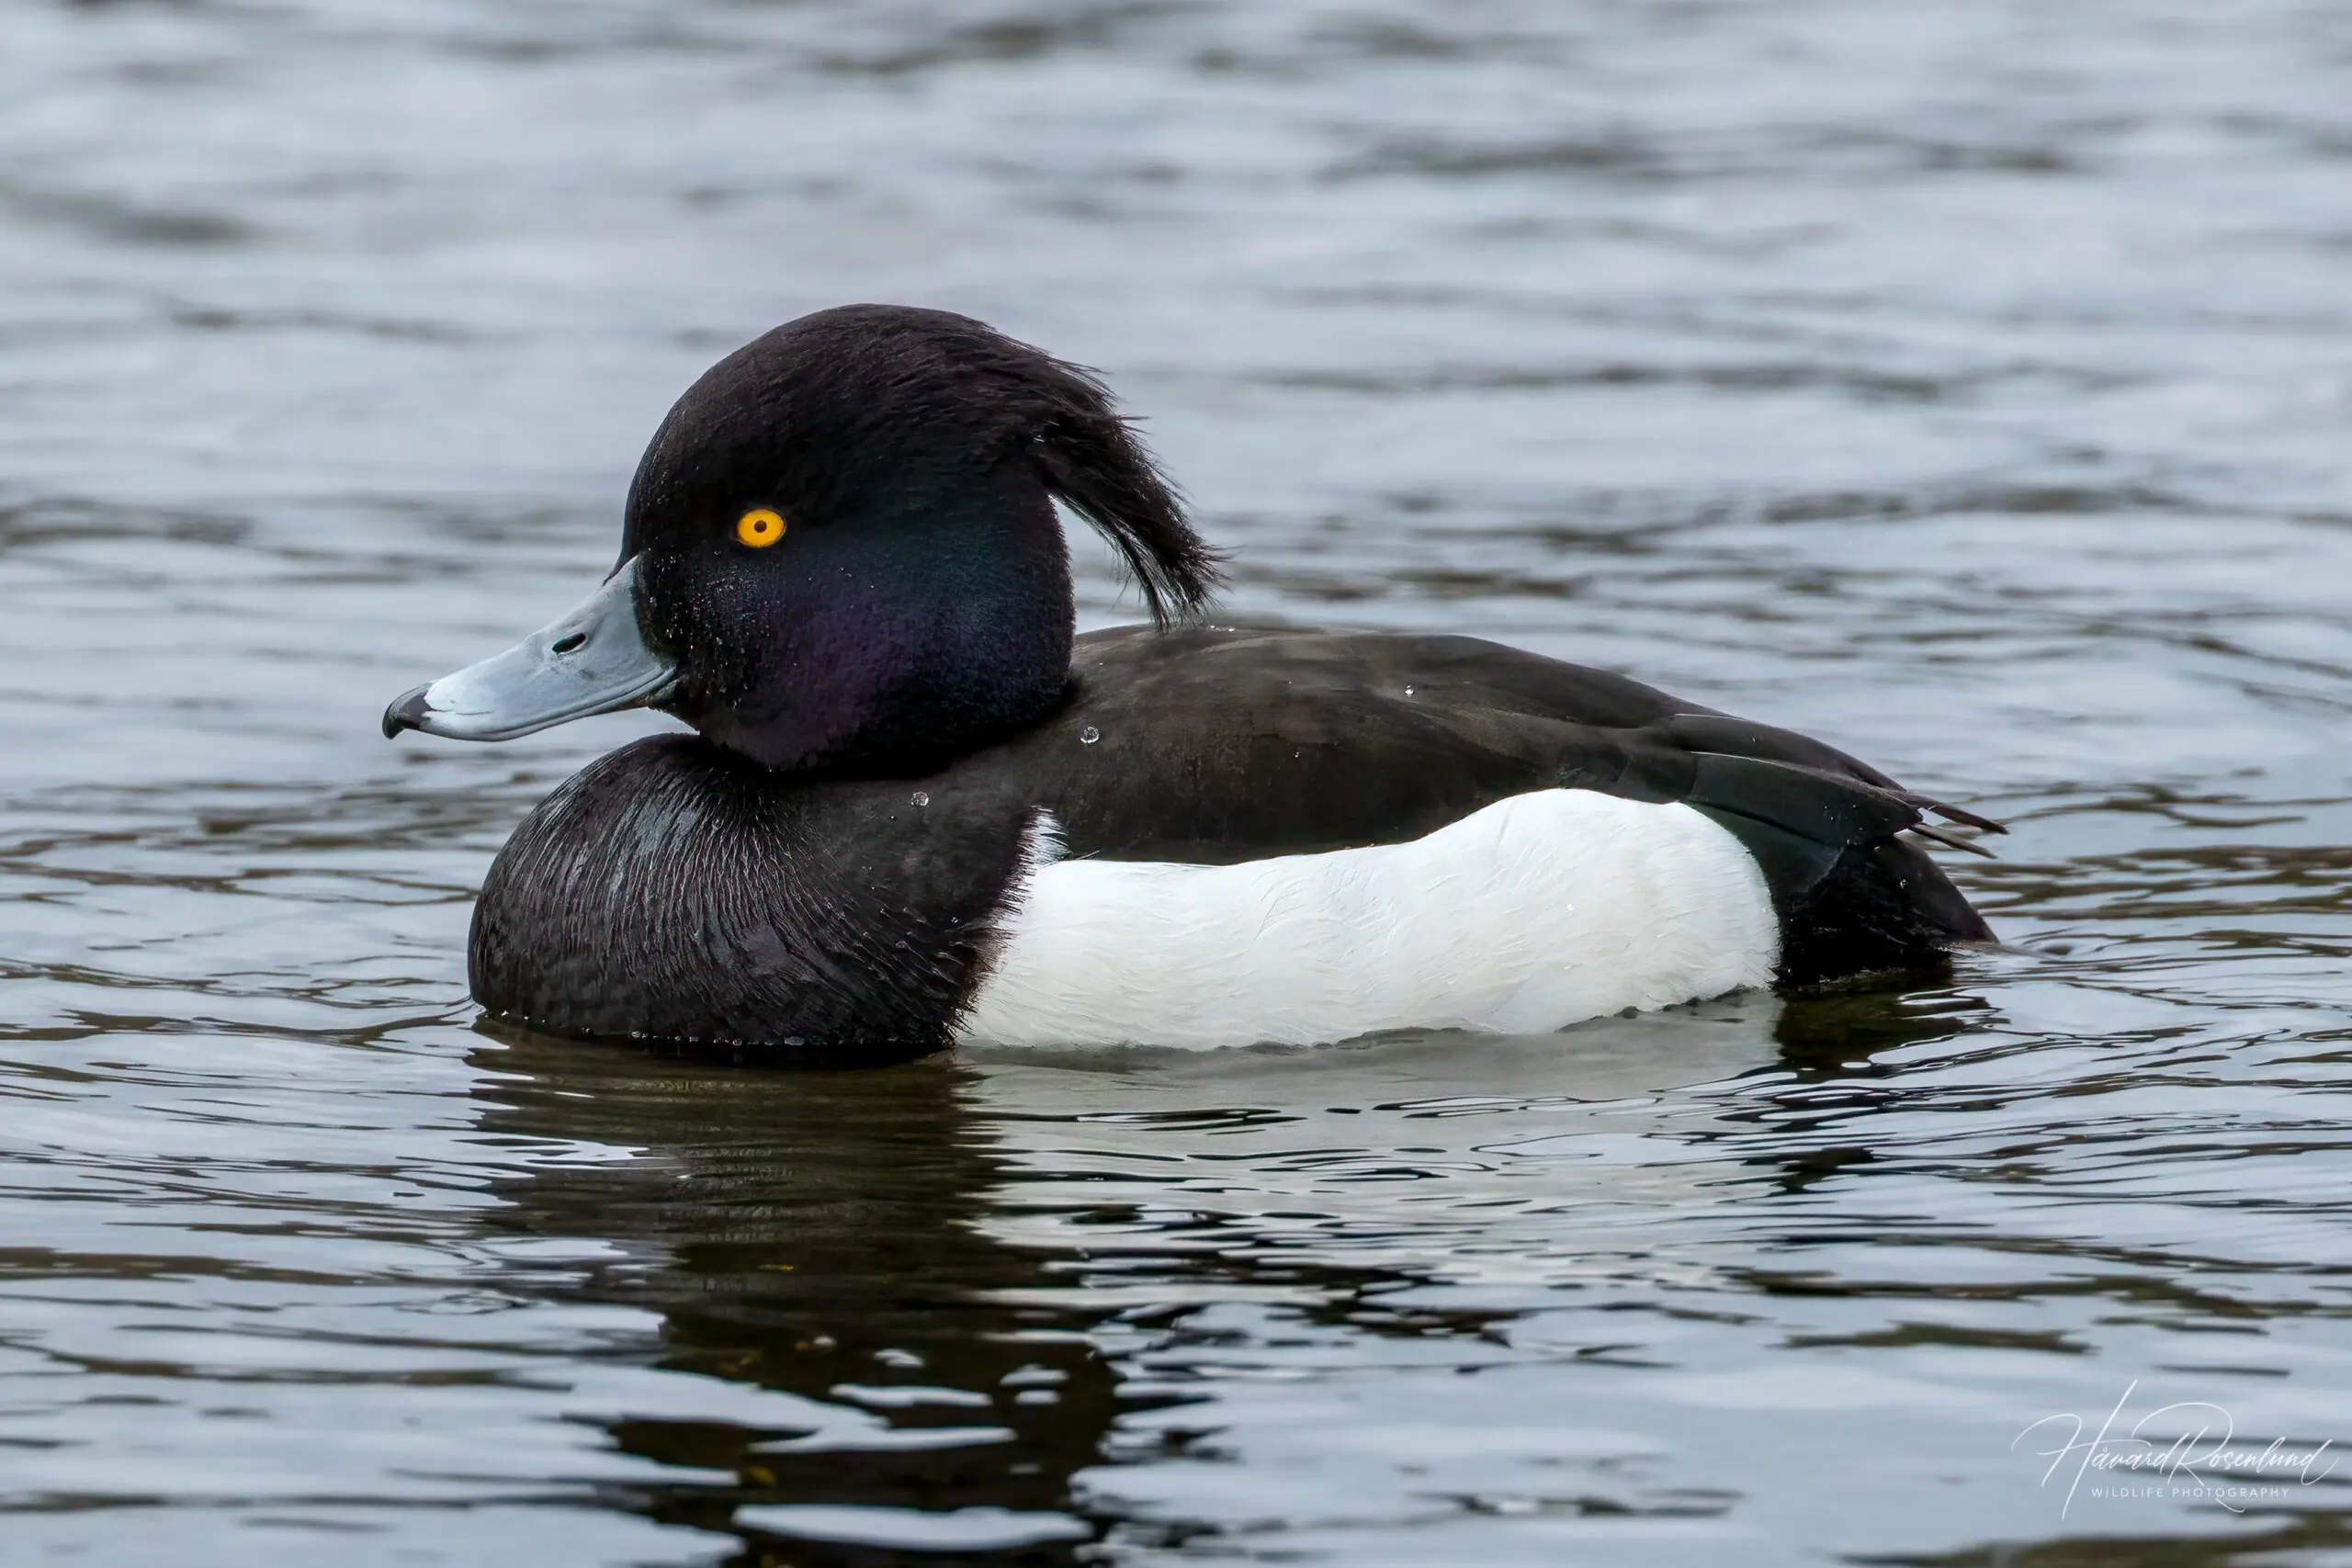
918,810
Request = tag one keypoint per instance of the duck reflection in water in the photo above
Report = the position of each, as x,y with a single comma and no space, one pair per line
813,1233
908,1246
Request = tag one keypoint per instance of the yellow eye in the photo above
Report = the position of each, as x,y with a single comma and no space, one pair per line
759,527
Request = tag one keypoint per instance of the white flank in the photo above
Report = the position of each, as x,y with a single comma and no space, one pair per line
1534,913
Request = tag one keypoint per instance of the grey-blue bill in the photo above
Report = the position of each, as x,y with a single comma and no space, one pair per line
593,660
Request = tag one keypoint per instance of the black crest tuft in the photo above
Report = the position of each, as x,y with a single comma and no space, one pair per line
1095,463
889,380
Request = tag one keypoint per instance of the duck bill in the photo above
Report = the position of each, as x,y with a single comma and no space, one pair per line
592,661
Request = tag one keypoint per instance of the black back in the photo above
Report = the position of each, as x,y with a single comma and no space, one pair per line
674,891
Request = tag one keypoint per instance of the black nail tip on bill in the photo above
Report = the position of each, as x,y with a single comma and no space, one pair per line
407,712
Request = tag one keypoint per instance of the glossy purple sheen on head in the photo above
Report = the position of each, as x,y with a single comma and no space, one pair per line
919,605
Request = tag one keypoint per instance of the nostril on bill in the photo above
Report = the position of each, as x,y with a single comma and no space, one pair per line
566,644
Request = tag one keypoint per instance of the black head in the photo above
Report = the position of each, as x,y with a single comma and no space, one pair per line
845,542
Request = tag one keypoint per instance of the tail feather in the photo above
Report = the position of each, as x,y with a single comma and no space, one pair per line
1949,839
1853,894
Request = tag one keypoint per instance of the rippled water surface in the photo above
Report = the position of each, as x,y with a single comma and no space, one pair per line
1969,384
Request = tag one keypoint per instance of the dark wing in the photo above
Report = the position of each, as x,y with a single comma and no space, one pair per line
1214,745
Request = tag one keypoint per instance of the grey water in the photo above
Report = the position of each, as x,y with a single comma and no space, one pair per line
1969,384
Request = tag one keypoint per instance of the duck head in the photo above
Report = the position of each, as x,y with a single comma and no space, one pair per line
841,553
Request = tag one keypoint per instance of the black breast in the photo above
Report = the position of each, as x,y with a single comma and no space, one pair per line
673,892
